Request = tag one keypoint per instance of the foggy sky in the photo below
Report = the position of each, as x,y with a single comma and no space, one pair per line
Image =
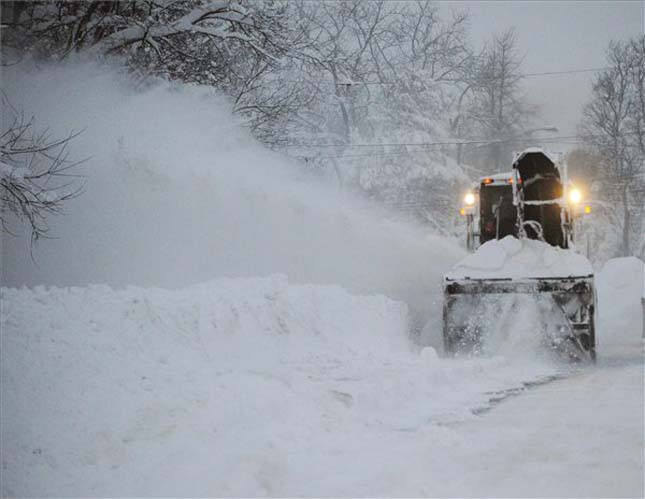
557,36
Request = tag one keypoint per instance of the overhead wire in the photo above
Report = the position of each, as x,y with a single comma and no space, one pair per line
567,139
454,142
524,75
425,147
568,71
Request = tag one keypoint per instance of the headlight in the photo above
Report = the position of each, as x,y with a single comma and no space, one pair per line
469,199
575,196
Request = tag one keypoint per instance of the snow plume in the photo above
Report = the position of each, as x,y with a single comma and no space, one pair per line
177,192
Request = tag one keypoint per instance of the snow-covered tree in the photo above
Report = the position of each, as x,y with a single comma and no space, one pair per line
157,27
493,108
228,44
351,86
613,126
384,73
36,175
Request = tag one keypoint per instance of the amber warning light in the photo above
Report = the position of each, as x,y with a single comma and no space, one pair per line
489,180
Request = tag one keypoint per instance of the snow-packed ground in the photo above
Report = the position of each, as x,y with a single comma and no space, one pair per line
576,437
234,387
261,387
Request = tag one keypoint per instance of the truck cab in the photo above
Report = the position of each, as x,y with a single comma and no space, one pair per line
529,201
497,213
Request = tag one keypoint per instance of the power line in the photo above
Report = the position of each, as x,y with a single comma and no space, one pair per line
433,144
557,139
571,140
566,72
525,75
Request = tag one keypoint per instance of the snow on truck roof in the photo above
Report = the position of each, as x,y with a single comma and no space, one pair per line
520,258
534,150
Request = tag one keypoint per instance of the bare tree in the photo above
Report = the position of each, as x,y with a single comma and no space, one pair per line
493,107
381,72
36,174
613,126
583,165
333,74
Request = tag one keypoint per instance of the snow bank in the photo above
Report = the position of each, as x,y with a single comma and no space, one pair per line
620,286
517,258
177,192
236,387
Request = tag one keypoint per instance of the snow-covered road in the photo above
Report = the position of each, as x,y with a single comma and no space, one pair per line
580,436
260,387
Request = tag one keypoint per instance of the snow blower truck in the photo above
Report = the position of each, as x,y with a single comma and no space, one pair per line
523,222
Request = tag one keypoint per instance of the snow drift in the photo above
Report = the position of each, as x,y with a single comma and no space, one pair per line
235,387
247,387
621,285
177,192
517,258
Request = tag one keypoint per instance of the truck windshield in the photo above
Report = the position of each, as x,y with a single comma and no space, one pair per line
497,214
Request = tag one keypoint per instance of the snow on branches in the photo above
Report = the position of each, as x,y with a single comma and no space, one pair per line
613,127
166,28
36,174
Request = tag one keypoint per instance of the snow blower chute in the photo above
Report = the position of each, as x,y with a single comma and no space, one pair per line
524,220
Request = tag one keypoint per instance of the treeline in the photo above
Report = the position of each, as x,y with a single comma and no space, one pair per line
372,94
612,159
390,99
